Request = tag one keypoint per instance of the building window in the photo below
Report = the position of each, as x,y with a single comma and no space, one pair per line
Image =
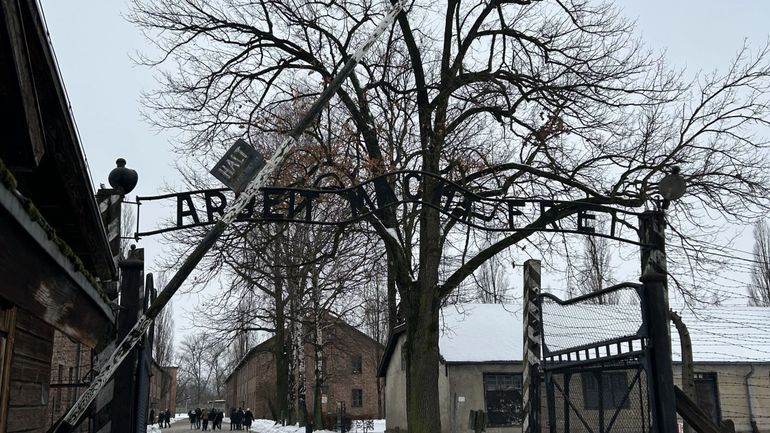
502,393
357,364
614,389
707,395
357,398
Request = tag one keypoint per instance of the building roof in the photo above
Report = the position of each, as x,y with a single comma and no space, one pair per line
44,152
330,318
265,346
474,333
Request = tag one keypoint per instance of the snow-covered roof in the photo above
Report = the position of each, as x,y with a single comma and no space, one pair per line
481,333
493,332
726,334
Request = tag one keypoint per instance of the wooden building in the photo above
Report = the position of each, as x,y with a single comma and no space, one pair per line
54,253
348,364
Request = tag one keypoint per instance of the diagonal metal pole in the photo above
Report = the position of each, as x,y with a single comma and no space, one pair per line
76,412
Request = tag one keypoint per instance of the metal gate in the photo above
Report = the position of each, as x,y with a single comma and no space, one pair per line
596,362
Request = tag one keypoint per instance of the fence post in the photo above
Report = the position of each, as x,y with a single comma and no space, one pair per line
532,340
652,236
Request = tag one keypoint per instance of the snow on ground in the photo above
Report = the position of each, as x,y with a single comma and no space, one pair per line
268,426
155,429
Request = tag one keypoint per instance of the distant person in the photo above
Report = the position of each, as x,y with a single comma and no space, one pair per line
191,415
233,414
212,418
219,418
198,417
151,419
205,417
239,416
248,417
167,418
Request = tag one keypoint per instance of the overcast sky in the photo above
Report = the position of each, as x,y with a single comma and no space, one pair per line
93,44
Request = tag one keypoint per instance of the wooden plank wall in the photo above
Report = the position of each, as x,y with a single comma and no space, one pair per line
30,375
7,333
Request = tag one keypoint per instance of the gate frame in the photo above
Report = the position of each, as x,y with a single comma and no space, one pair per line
638,351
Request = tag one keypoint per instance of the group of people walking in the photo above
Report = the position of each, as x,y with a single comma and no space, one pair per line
164,418
200,418
240,419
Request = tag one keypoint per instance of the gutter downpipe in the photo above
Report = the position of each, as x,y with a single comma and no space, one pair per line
752,421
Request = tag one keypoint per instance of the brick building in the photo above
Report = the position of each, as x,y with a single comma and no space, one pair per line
163,388
70,363
348,364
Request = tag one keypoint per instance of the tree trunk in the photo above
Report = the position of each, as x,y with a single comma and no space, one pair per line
301,387
317,352
281,364
423,414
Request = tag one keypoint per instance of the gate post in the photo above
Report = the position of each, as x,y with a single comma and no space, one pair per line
124,410
532,340
652,236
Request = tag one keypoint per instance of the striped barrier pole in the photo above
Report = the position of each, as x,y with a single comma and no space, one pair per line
532,342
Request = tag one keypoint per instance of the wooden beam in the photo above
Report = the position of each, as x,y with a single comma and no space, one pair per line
8,331
37,277
696,417
17,38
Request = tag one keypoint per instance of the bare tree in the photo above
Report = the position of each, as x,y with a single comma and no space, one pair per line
759,291
550,100
492,283
217,363
194,367
127,222
163,339
594,270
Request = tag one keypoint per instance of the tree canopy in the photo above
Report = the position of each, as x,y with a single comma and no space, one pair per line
553,100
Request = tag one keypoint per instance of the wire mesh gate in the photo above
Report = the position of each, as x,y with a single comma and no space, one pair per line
595,362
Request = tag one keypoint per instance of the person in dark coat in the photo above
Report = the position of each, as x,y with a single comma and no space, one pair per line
152,417
248,417
168,418
220,417
198,417
212,418
191,415
233,414
239,417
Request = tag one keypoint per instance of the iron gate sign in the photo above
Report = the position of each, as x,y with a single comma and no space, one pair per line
352,204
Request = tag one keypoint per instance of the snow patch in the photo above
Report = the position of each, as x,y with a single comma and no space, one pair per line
269,426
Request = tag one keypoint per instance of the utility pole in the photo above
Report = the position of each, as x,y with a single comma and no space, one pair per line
652,236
